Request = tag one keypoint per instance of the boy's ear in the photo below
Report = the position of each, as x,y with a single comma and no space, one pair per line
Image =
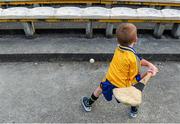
136,40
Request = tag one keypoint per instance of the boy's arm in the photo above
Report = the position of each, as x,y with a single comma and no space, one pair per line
151,68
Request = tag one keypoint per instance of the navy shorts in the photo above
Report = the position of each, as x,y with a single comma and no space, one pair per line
107,90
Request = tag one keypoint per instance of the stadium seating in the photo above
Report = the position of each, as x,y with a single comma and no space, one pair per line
133,2
26,2
89,15
101,14
144,2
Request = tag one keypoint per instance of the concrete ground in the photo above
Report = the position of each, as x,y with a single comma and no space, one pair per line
51,92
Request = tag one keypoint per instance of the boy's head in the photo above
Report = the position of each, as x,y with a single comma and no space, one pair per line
126,34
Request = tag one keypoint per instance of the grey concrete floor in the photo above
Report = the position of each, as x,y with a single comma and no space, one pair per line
51,92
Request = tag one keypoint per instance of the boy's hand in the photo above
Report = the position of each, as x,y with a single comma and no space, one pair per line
153,69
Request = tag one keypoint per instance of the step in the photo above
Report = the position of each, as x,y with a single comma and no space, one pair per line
55,47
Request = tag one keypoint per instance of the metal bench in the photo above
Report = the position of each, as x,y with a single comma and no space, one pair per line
93,14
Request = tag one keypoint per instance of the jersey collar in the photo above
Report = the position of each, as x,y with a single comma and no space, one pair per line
128,48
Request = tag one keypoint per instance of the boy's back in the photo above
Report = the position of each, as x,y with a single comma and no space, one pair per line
123,67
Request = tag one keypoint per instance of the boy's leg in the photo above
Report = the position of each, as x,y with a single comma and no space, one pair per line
87,102
133,112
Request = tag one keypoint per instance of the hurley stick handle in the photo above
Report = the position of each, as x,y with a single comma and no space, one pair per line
146,78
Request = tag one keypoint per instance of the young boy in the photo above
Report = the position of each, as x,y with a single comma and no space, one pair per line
124,69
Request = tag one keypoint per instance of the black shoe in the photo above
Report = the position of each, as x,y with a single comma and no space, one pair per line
133,112
85,104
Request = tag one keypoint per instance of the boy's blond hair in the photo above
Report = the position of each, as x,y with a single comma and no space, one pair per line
126,34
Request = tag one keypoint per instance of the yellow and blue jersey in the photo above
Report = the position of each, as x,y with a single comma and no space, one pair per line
124,68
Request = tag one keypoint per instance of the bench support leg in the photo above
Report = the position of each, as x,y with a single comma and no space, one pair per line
176,31
89,30
159,29
109,30
29,29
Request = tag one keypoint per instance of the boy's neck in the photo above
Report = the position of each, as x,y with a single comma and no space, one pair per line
131,45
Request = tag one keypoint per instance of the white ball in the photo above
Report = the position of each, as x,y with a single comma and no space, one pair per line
91,60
